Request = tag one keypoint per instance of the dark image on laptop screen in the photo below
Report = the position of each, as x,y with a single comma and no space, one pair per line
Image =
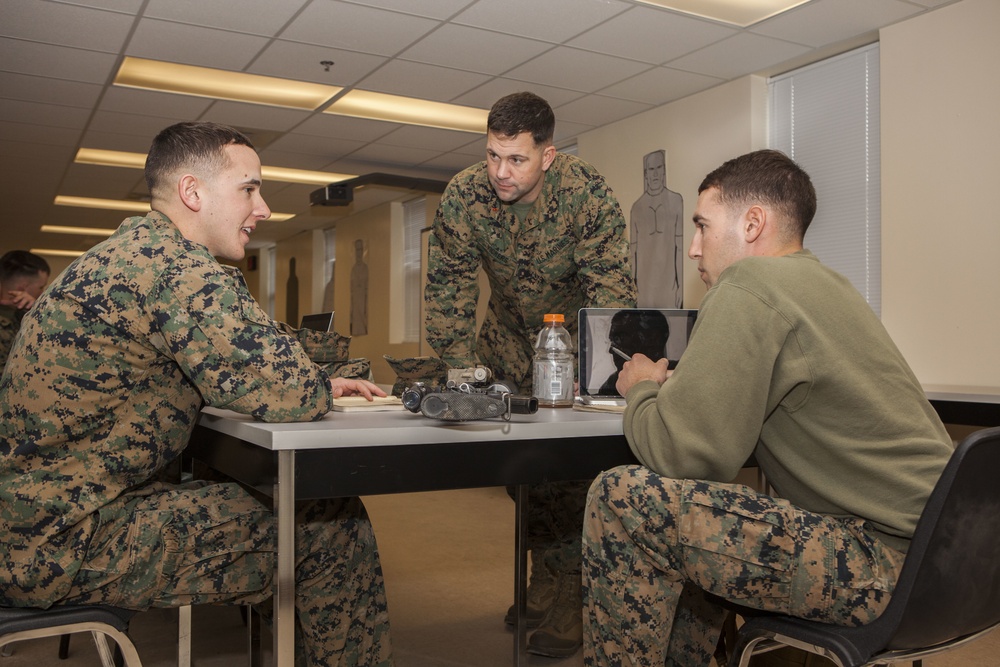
317,321
607,336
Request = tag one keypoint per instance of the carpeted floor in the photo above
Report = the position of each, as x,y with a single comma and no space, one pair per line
448,562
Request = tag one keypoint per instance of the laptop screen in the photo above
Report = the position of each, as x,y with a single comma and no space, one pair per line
317,321
608,335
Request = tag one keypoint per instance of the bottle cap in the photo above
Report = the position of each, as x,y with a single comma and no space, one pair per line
553,317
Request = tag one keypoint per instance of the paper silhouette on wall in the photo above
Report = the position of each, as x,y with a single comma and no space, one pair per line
656,238
359,291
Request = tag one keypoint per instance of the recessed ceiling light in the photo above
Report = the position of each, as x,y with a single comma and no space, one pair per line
222,84
741,13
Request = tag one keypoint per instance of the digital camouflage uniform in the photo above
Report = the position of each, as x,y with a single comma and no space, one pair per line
102,392
788,363
570,252
10,322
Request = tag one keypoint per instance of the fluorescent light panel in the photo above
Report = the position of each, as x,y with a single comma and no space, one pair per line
82,231
740,13
220,84
51,252
393,108
241,87
138,161
129,205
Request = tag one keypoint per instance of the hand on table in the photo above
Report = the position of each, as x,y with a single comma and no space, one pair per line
351,387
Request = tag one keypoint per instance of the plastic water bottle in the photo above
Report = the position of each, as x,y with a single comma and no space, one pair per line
553,372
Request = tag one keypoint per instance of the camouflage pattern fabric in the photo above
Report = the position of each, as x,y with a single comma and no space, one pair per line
351,368
571,251
111,369
653,545
320,346
429,370
214,544
10,322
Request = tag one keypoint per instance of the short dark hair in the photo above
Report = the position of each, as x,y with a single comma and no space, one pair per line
522,112
192,143
18,263
770,177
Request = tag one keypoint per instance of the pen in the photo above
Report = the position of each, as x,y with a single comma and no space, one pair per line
621,354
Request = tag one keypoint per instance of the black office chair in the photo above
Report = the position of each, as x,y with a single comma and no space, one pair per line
948,593
99,620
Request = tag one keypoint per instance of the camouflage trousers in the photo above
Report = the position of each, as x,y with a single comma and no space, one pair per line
212,543
555,514
653,546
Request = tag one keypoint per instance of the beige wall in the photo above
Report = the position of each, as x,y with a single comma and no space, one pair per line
940,227
940,89
698,133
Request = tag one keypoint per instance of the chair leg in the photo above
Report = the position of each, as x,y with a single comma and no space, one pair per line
184,636
64,646
107,658
7,651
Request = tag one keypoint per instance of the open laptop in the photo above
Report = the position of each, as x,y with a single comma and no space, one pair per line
608,335
318,321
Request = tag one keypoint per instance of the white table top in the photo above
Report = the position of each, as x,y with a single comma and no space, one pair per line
401,427
962,393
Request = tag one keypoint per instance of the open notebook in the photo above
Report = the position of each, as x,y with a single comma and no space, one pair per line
608,335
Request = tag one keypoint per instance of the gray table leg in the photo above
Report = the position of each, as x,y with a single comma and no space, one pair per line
284,587
521,575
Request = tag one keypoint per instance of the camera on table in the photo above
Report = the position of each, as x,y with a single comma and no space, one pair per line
469,394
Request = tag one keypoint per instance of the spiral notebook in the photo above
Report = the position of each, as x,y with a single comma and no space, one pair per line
607,336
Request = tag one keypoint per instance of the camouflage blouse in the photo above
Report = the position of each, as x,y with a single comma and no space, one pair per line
570,252
105,383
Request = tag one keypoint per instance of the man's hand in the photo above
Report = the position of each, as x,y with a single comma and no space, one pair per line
641,368
19,299
349,387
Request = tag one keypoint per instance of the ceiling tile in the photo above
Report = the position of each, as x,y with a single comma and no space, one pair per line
436,9
661,85
360,129
111,140
56,62
324,147
153,103
48,91
549,20
487,94
254,115
51,115
575,69
294,60
392,155
495,53
31,133
454,162
255,17
430,138
65,25
651,35
356,28
428,82
193,45
823,22
134,124
742,53
597,110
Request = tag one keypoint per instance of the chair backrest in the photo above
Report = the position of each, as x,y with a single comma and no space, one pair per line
950,583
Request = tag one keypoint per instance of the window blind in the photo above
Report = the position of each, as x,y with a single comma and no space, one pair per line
826,117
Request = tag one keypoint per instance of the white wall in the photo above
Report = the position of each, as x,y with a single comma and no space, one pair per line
940,179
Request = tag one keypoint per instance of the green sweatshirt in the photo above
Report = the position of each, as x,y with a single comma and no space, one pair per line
789,363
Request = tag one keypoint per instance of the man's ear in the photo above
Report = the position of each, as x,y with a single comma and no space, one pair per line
189,190
754,222
548,155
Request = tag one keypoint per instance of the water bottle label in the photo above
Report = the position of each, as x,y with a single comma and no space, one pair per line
553,381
